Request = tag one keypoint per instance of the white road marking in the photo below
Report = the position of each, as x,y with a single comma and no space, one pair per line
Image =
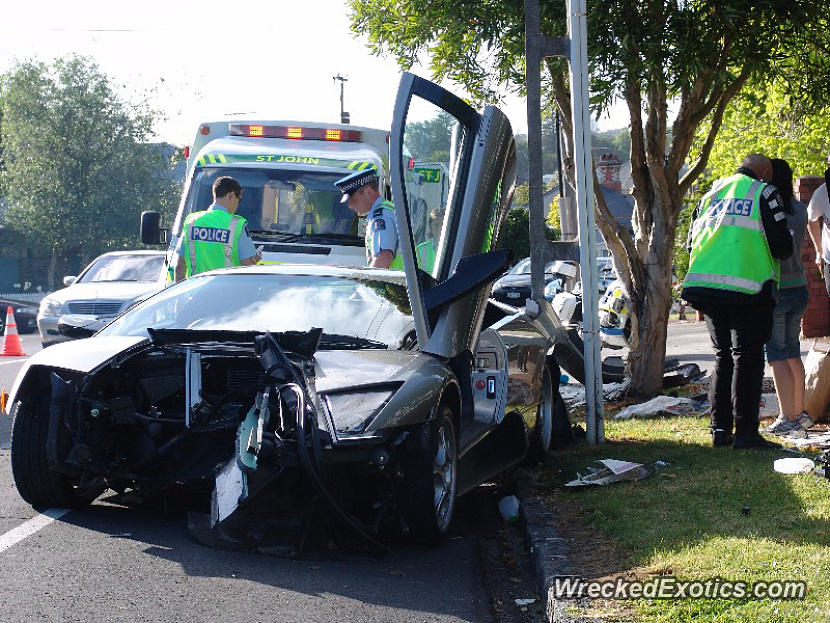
27,529
18,360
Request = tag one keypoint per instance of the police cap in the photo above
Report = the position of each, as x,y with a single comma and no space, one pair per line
353,181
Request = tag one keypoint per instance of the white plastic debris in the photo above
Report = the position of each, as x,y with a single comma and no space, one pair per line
613,470
509,508
794,465
525,602
670,404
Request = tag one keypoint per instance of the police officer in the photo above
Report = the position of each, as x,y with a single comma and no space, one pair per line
360,189
216,237
738,235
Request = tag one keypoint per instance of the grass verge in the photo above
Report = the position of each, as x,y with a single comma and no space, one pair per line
710,513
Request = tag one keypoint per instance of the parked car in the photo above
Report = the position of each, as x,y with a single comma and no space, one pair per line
514,287
356,399
109,285
25,315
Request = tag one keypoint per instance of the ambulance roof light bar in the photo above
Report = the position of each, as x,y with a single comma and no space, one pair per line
296,132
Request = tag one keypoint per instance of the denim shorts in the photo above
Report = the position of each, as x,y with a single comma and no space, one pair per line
786,324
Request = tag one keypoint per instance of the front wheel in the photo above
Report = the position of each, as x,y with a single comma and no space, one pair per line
36,482
430,479
540,439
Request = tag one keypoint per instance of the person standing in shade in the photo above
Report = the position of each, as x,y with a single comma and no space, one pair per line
738,236
427,250
818,213
216,237
784,346
361,191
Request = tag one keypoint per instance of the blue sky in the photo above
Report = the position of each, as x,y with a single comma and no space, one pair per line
200,60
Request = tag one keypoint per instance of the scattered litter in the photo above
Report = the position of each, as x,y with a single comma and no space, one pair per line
794,465
526,601
660,404
509,508
613,471
659,463
814,440
615,391
745,511
768,406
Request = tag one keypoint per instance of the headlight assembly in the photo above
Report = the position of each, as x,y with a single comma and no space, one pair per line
352,412
50,307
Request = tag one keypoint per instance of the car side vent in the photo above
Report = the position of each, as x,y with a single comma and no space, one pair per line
240,378
157,388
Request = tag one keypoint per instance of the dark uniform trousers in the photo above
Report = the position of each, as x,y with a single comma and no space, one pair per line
738,334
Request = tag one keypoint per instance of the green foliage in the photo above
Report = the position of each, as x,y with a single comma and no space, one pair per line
516,236
617,142
768,121
427,140
78,168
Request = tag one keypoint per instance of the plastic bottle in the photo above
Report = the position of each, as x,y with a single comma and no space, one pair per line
509,508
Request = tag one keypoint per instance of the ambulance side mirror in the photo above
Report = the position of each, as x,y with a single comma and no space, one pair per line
151,231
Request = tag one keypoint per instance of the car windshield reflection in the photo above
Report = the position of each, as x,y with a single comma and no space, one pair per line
352,312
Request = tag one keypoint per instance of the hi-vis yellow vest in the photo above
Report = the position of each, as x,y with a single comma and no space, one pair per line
729,247
211,240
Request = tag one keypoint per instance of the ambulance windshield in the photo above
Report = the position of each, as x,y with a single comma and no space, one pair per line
283,204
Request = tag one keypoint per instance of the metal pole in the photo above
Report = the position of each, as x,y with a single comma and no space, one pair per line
578,29
538,47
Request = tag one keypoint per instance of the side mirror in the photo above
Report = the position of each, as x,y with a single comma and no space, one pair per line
151,231
69,280
470,274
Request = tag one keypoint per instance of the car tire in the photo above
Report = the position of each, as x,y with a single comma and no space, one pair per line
540,439
430,479
36,482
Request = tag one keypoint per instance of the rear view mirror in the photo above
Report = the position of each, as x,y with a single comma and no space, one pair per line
151,231
68,280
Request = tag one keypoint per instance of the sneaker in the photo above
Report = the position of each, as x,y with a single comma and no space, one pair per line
790,429
754,441
780,420
721,438
804,420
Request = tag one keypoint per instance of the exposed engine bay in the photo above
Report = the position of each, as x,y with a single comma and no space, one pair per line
234,416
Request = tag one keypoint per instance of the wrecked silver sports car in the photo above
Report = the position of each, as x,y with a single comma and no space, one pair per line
295,396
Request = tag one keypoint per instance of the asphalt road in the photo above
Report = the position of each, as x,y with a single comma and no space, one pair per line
110,562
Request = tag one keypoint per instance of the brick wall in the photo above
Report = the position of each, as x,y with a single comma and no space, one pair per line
816,321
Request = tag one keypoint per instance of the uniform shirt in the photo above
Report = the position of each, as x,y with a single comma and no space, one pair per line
820,206
381,230
778,238
246,245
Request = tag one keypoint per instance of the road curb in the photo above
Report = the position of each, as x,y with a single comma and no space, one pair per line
548,552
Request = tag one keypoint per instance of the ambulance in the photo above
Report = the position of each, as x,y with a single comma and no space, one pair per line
287,170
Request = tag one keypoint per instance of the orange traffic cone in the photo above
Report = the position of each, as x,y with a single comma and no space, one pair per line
11,340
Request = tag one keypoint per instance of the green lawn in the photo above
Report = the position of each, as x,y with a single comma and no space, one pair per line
687,520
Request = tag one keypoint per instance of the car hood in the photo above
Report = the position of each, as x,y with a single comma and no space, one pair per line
112,290
77,356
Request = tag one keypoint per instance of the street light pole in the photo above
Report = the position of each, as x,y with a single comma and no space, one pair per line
344,116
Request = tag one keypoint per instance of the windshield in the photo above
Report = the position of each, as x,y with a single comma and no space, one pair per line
280,204
344,307
123,267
